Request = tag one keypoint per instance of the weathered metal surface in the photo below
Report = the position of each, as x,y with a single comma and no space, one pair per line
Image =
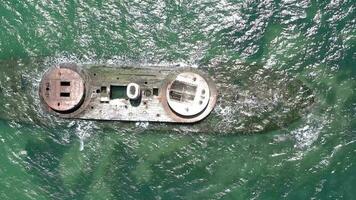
252,98
188,94
103,103
62,89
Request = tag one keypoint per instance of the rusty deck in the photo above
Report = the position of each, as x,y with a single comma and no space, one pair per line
98,92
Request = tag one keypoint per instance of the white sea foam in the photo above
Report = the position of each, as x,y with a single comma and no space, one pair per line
84,129
308,133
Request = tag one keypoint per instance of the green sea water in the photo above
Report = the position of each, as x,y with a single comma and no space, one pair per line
43,157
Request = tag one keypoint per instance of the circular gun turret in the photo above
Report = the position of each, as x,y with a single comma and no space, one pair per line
62,89
188,94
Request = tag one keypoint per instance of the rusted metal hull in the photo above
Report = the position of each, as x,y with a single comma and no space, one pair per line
101,101
250,98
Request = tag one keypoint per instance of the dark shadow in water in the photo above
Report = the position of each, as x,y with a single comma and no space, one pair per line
44,158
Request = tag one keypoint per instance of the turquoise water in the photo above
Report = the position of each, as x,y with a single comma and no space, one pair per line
43,157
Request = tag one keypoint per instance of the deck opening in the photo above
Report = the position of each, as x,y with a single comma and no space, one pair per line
132,90
64,94
155,91
103,89
65,83
182,92
118,92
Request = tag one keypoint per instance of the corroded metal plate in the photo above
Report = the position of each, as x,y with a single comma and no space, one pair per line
62,89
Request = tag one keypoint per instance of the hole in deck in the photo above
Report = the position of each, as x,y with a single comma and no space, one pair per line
103,89
64,94
182,92
65,83
132,90
155,91
118,92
